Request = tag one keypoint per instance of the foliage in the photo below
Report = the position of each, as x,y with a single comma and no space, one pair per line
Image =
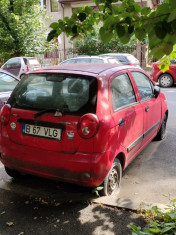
96,190
22,24
160,222
123,21
92,45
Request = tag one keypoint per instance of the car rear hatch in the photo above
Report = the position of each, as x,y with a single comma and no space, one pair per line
33,64
46,108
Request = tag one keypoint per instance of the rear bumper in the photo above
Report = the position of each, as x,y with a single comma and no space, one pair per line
87,169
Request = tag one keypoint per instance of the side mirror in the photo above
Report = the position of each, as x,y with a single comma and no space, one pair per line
156,91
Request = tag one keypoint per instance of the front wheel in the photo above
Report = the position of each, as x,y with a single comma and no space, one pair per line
166,80
112,181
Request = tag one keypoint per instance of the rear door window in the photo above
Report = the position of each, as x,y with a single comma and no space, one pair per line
66,93
122,92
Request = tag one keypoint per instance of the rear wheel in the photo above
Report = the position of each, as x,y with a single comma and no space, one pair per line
166,80
12,173
112,181
162,131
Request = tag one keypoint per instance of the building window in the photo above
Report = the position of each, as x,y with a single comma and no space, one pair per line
54,5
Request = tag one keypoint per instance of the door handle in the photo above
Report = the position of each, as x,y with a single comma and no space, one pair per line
147,108
121,122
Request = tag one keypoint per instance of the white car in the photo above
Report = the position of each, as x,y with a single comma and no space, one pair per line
91,59
20,65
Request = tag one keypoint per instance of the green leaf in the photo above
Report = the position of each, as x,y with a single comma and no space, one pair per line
154,230
172,16
140,33
82,16
163,9
160,31
99,188
166,229
115,9
125,39
167,48
105,34
120,29
137,8
131,29
54,25
145,11
172,3
74,29
52,35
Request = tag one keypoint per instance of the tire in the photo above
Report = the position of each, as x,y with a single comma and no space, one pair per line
166,80
162,131
112,181
12,173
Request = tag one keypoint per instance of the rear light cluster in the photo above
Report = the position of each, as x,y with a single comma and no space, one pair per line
5,114
88,125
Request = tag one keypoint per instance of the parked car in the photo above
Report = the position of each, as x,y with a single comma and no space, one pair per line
91,59
166,79
18,66
7,84
81,124
124,58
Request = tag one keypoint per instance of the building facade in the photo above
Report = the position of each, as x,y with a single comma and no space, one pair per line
58,9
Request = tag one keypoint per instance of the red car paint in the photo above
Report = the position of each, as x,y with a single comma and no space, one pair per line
85,161
156,72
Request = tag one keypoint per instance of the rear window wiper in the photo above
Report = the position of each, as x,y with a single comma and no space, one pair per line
45,111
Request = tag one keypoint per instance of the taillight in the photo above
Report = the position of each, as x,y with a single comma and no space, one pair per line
88,125
132,64
5,114
27,68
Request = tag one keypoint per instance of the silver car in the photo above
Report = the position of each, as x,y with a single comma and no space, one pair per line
124,58
7,84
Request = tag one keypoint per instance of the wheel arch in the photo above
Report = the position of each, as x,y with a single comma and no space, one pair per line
121,157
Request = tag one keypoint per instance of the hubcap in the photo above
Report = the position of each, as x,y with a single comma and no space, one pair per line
113,181
165,80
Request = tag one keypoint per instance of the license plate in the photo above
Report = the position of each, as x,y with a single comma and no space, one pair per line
40,131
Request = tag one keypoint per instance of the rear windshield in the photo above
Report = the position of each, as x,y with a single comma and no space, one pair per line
33,61
66,93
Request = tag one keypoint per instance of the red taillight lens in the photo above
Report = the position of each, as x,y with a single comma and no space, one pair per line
5,114
27,68
88,125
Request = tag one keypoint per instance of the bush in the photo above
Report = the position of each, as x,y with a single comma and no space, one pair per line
159,222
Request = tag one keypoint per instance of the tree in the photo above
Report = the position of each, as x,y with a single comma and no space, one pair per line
92,45
124,21
22,28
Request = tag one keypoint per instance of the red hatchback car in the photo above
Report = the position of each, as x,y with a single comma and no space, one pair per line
81,123
166,79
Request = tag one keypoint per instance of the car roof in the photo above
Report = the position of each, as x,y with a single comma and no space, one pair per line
123,54
89,69
5,72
